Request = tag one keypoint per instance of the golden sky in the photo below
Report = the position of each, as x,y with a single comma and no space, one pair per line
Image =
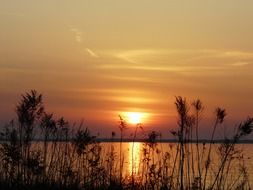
96,59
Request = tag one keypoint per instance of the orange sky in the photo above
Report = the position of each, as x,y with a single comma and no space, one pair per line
96,59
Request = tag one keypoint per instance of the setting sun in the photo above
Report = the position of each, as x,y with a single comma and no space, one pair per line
134,117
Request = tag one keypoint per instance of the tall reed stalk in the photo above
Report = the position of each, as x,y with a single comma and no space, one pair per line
122,127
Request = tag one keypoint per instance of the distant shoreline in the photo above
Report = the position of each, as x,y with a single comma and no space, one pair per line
173,141
117,140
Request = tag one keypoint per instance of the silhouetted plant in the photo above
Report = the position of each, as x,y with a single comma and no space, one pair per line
122,126
228,151
29,110
198,109
81,140
182,110
138,126
34,165
11,154
111,156
220,115
48,127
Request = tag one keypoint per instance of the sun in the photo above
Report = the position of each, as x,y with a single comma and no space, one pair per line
134,117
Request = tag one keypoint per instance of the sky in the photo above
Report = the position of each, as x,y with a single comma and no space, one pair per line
96,59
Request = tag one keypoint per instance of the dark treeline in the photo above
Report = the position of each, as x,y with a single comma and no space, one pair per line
69,157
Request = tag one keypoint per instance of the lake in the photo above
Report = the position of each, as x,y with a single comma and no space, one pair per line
133,156
150,164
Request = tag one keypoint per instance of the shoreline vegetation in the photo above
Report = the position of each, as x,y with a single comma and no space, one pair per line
196,164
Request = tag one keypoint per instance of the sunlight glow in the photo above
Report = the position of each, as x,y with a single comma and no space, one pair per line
134,117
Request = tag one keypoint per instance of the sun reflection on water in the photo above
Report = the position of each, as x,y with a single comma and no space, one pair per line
134,158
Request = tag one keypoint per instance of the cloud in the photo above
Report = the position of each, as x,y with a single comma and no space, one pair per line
239,54
79,39
91,53
130,56
184,57
133,55
201,62
240,63
78,34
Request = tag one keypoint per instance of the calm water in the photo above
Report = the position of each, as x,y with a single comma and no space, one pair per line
133,159
133,156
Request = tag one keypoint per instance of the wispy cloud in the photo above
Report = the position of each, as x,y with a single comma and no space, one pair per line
181,59
239,54
77,34
130,56
240,63
90,52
